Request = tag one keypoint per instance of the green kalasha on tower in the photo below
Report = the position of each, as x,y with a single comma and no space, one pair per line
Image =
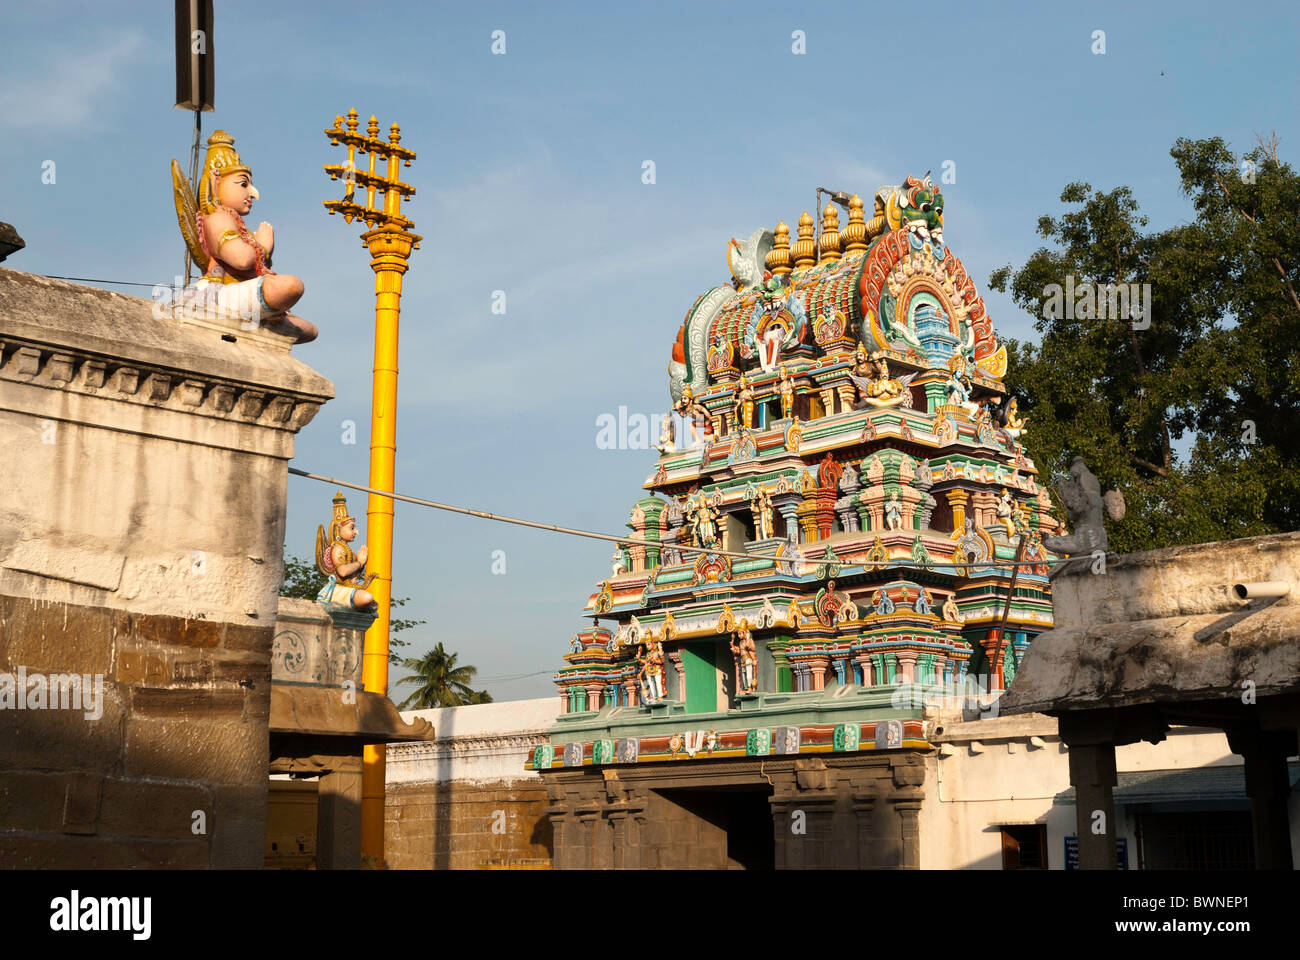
842,521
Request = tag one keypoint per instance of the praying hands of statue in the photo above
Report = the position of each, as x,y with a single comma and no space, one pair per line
225,236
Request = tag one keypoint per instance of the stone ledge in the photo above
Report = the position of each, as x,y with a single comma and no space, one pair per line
169,388
321,710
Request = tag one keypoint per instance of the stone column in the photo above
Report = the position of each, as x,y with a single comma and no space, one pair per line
817,668
338,820
909,812
675,658
957,500
863,806
907,665
984,506
1268,786
789,509
1092,773
935,395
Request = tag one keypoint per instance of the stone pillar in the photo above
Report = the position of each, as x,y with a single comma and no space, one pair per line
984,506
909,812
777,647
593,697
957,500
863,806
1092,774
675,658
338,820
936,395
629,687
907,665
817,668
1268,785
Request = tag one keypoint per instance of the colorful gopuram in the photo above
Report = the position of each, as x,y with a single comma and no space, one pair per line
832,522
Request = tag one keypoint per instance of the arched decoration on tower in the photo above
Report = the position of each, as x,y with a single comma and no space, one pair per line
905,273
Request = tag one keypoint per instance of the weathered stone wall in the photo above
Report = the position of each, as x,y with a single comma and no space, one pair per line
140,547
843,811
465,800
467,826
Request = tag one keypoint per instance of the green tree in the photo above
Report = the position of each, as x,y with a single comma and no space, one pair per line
439,682
303,579
1217,363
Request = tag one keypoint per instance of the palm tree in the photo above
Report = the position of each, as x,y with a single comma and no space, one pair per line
440,682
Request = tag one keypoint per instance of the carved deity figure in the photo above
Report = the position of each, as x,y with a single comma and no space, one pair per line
346,589
651,673
617,564
950,611
1015,425
922,604
893,512
1081,494
959,386
694,413
237,280
742,404
667,435
786,392
703,518
1006,512
762,511
742,645
880,389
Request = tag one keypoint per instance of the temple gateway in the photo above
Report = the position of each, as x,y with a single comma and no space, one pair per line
828,543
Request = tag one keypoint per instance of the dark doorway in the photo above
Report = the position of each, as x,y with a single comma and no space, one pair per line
1221,840
731,828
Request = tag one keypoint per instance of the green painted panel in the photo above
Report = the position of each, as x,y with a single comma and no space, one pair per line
701,676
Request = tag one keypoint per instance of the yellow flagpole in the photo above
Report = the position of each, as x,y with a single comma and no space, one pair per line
390,243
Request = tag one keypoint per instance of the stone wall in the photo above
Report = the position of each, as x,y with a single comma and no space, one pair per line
140,548
837,811
465,800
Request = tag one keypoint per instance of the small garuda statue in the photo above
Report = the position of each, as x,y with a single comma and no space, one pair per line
237,281
345,595
1084,503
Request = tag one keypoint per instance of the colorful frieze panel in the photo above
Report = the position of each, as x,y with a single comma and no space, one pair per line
846,736
787,740
889,734
573,754
543,756
758,743
602,751
629,749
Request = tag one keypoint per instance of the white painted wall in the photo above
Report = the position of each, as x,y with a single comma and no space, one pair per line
481,743
971,795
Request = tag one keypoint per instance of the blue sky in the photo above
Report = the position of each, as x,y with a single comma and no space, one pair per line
529,180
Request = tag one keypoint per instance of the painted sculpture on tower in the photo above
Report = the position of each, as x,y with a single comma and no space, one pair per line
237,281
785,390
904,497
742,645
703,518
345,597
743,404
761,511
651,673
